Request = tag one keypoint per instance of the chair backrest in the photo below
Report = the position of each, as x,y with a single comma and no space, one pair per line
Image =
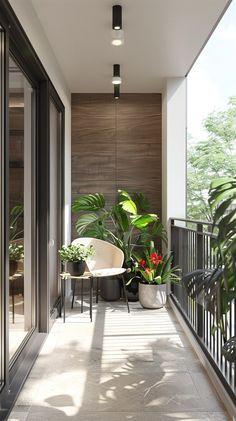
106,255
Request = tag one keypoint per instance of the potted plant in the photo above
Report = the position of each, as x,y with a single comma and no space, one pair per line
75,256
125,224
16,253
154,272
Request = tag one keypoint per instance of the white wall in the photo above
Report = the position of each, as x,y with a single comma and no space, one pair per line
29,20
174,149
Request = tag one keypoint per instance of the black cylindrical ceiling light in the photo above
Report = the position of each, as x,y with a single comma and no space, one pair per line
117,33
117,17
116,91
116,80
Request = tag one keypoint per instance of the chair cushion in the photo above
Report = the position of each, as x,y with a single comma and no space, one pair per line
108,272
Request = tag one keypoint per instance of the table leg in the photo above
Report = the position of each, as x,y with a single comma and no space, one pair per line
82,296
64,301
125,294
61,297
91,299
13,307
73,297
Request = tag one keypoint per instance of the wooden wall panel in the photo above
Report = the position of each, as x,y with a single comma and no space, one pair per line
116,144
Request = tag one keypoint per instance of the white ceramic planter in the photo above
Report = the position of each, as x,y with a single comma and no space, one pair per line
152,296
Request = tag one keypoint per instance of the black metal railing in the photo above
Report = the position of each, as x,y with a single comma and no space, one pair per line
191,244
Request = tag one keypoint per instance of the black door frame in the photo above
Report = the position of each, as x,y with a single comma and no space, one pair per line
20,47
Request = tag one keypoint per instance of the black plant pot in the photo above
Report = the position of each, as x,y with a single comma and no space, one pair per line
131,289
110,288
13,266
76,268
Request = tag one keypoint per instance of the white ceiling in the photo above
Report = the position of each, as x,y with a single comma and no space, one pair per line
162,39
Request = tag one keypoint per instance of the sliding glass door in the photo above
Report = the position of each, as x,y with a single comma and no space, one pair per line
21,185
2,211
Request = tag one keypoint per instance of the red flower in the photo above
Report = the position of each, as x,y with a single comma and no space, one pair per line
148,270
142,263
156,258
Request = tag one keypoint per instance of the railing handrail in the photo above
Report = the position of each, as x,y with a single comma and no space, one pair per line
193,221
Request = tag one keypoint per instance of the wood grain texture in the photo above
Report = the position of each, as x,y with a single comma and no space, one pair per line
116,144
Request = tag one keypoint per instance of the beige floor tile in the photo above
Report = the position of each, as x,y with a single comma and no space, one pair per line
138,366
50,414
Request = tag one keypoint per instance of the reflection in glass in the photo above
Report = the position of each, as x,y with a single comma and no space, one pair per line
21,207
2,127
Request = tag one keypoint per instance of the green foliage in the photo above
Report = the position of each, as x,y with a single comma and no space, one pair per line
221,287
122,224
155,268
75,253
16,252
89,202
15,219
211,158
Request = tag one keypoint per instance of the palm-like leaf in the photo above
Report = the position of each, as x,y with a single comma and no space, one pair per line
222,201
89,202
152,231
121,218
15,216
89,221
215,289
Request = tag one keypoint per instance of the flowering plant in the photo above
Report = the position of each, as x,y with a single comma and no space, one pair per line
155,268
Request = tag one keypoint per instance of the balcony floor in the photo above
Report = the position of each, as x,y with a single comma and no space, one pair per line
138,366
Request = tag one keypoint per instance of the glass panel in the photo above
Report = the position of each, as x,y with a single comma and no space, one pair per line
21,207
2,266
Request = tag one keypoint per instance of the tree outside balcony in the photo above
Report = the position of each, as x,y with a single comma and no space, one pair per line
211,158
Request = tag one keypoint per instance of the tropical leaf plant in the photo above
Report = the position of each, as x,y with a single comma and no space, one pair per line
218,287
122,224
154,268
222,201
215,288
15,222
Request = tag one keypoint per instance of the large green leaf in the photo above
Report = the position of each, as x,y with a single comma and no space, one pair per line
221,181
220,211
89,202
121,218
126,202
123,196
217,196
129,206
142,221
16,219
151,233
86,221
141,201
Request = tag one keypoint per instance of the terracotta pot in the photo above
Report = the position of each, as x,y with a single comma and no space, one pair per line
76,268
152,296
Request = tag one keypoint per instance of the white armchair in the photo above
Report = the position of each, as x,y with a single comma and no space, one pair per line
107,261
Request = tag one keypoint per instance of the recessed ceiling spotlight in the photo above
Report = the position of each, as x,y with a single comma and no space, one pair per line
116,91
117,32
117,17
116,80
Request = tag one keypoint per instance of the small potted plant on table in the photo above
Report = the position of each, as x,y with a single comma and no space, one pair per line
154,272
16,253
75,256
